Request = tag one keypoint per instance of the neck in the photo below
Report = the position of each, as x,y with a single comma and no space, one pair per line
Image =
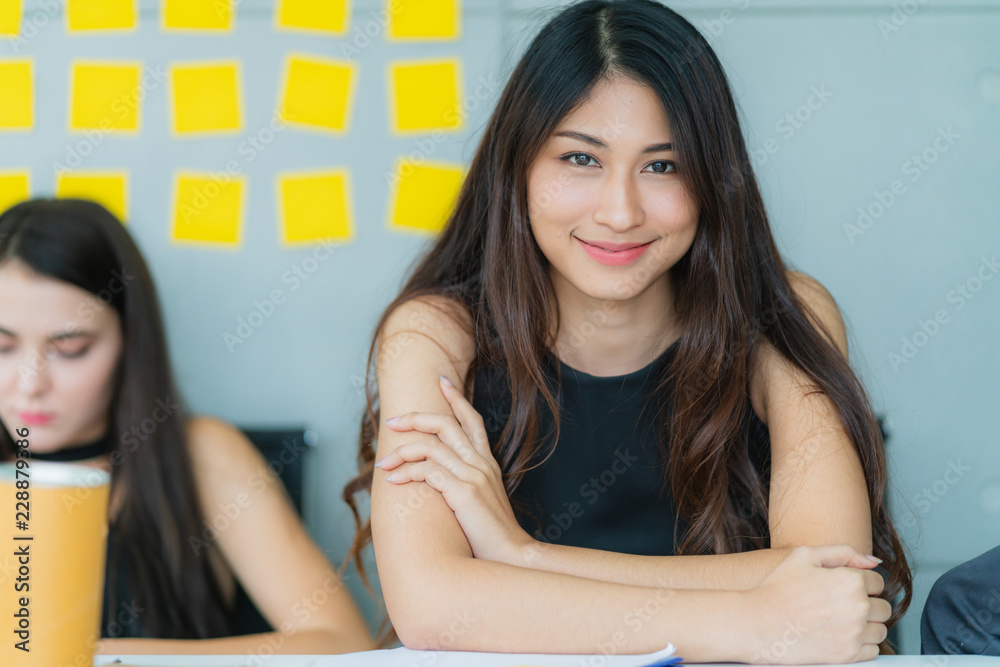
606,337
88,450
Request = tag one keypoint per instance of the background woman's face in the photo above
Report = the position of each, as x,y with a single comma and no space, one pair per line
59,348
607,176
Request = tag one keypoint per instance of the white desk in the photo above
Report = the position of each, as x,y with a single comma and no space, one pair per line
402,657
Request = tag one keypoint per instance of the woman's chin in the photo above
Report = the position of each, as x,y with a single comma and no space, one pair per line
41,440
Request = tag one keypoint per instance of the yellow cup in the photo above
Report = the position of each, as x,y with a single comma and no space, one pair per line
53,528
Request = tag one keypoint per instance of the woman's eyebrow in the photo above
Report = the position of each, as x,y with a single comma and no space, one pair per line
594,141
70,335
66,335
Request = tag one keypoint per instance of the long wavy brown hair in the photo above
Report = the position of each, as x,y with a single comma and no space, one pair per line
731,287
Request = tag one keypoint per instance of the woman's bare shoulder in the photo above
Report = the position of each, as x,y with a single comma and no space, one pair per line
770,370
432,326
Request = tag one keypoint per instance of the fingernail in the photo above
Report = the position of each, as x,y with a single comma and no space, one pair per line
391,477
870,557
378,464
390,420
446,381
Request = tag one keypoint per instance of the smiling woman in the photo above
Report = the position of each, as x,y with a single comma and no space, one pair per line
613,179
84,364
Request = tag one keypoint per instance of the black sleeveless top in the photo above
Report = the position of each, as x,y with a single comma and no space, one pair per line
604,484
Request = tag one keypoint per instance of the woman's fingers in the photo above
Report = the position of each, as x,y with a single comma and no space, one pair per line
874,583
470,420
464,431
880,610
432,450
868,652
436,476
840,555
874,633
446,427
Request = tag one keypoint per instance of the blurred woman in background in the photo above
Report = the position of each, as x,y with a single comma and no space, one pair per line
84,365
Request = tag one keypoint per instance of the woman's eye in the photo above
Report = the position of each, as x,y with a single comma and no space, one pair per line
663,166
72,352
579,159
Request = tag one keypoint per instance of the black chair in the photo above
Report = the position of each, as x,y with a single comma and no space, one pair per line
283,450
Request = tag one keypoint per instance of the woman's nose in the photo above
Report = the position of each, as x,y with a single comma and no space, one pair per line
618,204
34,376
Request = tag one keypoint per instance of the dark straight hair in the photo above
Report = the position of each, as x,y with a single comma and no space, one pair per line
731,287
81,243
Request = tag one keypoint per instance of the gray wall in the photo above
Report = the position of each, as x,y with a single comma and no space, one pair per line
890,93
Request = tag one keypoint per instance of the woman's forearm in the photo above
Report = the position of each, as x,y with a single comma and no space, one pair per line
301,642
738,571
479,605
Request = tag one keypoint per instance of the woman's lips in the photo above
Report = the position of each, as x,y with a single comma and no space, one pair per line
35,418
614,258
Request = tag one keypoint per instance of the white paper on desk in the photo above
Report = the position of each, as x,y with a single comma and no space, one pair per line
404,657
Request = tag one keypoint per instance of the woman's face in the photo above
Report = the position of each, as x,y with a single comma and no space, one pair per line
607,176
59,349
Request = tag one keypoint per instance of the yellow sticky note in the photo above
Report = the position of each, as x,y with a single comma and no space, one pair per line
14,187
108,188
17,94
424,19
315,206
100,15
208,208
10,18
206,97
424,195
425,96
318,92
215,15
325,16
105,96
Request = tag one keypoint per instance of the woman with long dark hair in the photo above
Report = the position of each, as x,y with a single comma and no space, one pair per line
84,365
616,418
